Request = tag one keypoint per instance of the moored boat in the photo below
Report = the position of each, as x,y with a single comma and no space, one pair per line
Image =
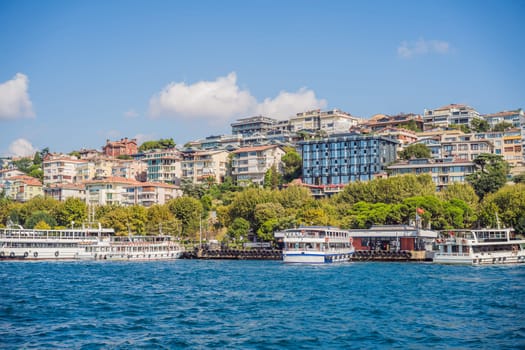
479,247
136,248
32,244
316,245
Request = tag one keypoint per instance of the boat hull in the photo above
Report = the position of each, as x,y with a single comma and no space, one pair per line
485,259
305,257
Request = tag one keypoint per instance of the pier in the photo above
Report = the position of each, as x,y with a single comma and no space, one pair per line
233,254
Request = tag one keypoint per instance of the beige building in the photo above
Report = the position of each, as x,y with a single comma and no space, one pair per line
453,114
22,188
163,165
332,121
250,164
198,166
61,192
60,168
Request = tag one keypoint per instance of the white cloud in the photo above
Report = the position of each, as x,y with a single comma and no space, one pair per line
222,99
130,114
141,138
21,148
287,104
14,99
422,47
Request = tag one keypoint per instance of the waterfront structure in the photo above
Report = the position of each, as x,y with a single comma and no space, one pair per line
163,165
202,166
393,242
453,114
60,168
443,171
251,125
479,247
343,158
250,164
315,245
22,188
332,121
120,148
63,191
401,121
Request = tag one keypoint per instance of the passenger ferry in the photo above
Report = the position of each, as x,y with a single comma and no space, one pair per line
135,248
479,247
86,244
32,244
316,245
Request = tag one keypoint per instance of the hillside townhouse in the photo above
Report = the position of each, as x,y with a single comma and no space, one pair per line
163,165
63,191
225,142
443,171
60,168
121,191
515,118
119,148
201,166
7,173
250,164
453,114
251,125
402,136
344,158
509,144
382,121
332,121
22,188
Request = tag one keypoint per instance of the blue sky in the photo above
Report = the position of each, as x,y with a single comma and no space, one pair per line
75,73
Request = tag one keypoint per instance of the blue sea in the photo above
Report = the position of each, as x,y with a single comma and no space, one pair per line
198,304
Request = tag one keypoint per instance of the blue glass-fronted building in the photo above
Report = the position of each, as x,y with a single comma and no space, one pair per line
344,158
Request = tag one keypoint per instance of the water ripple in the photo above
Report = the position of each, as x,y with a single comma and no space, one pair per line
260,305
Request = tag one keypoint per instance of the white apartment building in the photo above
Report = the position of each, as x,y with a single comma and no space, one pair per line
22,188
61,192
453,114
250,164
163,165
333,121
60,168
198,166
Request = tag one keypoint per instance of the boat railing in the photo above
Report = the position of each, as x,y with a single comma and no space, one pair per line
46,235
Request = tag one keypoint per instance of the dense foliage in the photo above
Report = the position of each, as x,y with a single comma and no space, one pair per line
231,214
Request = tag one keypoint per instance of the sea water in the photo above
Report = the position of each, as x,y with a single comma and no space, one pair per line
198,304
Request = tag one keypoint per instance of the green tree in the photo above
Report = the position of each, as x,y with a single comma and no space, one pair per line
23,164
71,210
415,150
502,126
116,217
491,174
42,225
272,178
39,203
189,211
157,144
462,191
480,125
239,229
507,204
245,202
292,164
39,216
520,178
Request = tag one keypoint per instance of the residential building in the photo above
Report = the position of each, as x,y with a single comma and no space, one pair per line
251,125
508,144
163,165
512,117
382,121
345,158
227,142
121,191
200,166
120,148
147,194
22,188
63,191
403,136
129,169
465,147
250,164
453,114
89,153
7,173
332,121
60,168
443,171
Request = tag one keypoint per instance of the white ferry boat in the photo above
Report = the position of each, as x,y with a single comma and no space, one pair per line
135,248
479,247
66,244
316,245
87,244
